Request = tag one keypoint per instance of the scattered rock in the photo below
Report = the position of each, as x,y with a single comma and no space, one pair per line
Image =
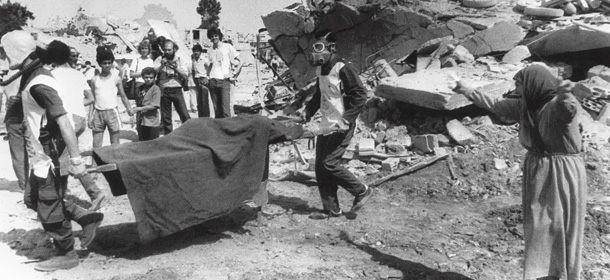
500,164
389,164
460,30
599,71
459,133
395,148
425,143
516,55
443,140
366,146
380,137
461,54
503,36
594,87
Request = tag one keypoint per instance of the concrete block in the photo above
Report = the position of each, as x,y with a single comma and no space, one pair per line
502,36
599,71
366,146
390,164
460,30
380,137
433,89
595,87
461,54
440,151
459,133
395,148
443,140
425,143
516,55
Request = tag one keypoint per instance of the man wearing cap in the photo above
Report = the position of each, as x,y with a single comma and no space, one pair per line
49,132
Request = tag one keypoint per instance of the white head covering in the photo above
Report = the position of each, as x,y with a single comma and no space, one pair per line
17,45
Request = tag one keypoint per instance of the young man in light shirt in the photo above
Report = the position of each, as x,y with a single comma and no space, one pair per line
220,75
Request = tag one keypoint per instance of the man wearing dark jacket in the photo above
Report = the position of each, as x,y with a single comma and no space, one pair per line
340,97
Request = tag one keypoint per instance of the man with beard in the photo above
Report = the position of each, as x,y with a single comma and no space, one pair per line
172,71
49,132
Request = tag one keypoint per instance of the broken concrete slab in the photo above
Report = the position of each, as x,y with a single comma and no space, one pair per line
580,39
433,89
595,87
502,36
289,22
480,23
599,71
516,55
460,30
364,36
459,133
462,55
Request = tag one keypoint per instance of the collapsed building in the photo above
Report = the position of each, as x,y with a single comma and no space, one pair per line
407,53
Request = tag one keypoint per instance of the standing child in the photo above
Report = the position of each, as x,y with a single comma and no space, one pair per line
105,87
148,101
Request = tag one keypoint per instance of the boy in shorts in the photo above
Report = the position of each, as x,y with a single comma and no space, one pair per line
148,101
105,114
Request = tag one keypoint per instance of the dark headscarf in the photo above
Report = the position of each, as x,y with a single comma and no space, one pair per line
539,87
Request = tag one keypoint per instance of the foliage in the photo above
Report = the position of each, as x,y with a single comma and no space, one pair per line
75,25
209,11
156,12
14,16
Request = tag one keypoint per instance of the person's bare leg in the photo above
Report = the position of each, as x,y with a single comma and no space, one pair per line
98,139
114,138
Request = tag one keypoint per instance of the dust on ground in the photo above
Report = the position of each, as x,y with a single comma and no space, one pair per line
425,225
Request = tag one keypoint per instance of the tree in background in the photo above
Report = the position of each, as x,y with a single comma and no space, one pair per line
14,16
209,11
157,12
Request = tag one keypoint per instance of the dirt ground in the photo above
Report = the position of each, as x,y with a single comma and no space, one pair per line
421,226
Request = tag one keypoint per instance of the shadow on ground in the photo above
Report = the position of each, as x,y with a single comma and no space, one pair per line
410,270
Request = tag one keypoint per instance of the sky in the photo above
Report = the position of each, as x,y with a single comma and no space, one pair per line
239,15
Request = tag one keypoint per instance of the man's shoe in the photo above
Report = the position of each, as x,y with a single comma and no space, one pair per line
89,223
67,261
325,214
96,203
361,199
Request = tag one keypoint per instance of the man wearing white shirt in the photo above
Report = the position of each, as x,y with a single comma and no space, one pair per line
75,94
220,75
200,77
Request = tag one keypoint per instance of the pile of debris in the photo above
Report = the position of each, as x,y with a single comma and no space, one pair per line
407,56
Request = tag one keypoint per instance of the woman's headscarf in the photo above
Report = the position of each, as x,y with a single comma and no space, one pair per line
539,87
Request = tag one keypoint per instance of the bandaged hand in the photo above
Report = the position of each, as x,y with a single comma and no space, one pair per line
77,167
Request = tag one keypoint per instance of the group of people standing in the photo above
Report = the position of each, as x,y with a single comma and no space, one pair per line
46,101
211,72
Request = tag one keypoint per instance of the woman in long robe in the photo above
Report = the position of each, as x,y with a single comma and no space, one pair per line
554,178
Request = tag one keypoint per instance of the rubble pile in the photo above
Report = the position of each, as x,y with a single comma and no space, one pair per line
410,56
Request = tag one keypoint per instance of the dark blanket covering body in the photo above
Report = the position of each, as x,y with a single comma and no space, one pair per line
202,170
